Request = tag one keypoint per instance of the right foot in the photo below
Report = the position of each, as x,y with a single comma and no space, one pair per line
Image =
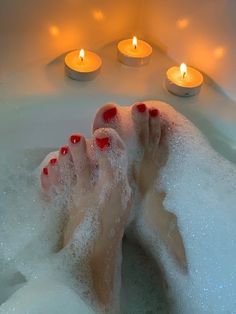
99,187
140,128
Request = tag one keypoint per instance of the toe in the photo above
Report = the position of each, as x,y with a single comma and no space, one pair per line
79,153
140,118
45,180
154,126
44,175
111,155
53,171
106,116
65,165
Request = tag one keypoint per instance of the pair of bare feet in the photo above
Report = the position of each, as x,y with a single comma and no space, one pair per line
111,176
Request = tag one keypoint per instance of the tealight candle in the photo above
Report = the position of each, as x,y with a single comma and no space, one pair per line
183,80
82,65
134,52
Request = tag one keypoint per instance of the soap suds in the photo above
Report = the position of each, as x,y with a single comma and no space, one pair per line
200,189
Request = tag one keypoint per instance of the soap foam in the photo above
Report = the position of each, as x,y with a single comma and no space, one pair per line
200,189
32,233
37,275
45,295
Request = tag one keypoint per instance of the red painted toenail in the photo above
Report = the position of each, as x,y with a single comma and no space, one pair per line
103,142
45,171
64,150
109,114
53,161
154,112
141,107
75,138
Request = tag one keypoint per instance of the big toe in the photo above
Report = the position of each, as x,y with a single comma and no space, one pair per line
111,155
107,116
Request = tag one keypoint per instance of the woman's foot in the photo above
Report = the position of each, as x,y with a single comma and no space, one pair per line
99,189
140,128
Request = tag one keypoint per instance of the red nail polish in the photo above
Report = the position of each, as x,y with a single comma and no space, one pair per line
64,150
45,171
109,114
75,138
103,142
53,161
154,112
141,108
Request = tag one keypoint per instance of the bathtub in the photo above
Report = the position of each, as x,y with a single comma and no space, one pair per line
40,107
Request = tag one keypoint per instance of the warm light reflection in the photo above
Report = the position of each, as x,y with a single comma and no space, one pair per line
81,55
182,23
219,52
135,42
183,69
98,15
54,30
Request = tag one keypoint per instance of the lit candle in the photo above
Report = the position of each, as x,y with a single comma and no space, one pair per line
82,65
183,80
134,52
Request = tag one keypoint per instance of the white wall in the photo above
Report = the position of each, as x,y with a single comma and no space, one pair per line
32,30
201,33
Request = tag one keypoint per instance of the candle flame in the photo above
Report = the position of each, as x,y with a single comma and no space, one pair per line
81,55
183,69
135,42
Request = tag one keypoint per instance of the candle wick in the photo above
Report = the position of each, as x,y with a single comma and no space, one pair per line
184,74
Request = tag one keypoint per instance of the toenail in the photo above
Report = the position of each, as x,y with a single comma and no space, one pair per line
103,142
141,107
154,112
45,171
64,150
75,138
53,161
109,114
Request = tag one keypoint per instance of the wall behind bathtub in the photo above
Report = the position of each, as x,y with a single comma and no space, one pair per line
199,32
35,30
